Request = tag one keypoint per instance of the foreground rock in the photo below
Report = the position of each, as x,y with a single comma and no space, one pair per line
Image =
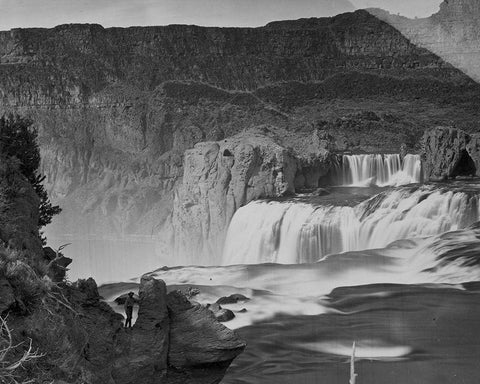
196,337
171,342
449,153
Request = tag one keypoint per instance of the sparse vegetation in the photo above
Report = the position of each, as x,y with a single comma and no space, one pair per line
18,139
13,356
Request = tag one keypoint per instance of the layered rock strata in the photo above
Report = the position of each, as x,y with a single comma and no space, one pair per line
221,177
451,33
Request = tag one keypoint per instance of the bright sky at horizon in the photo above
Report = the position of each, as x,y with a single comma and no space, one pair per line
235,13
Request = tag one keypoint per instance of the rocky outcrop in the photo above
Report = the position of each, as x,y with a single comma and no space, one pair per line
221,177
196,338
148,344
449,153
171,342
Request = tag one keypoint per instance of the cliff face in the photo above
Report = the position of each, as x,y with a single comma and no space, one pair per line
449,153
221,177
452,33
71,63
117,108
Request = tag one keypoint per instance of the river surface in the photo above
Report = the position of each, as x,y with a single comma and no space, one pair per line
394,268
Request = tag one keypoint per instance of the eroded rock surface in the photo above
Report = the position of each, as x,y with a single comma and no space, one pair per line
220,177
449,152
196,337
172,341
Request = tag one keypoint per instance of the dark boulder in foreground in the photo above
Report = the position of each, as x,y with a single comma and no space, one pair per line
196,337
171,342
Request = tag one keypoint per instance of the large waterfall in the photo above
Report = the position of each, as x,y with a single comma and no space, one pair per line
381,170
295,232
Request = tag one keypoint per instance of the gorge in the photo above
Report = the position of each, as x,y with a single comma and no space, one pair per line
324,169
117,108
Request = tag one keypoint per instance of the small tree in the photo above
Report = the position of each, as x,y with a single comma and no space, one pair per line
19,139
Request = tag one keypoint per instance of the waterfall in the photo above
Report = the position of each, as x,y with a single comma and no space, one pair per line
292,232
381,170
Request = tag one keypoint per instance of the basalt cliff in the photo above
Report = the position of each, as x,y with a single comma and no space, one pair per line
452,33
145,131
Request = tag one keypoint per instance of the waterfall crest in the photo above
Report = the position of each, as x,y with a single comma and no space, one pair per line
381,170
292,232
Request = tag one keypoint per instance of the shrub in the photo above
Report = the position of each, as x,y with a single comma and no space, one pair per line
18,139
13,356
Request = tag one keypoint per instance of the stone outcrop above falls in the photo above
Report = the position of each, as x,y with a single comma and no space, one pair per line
449,152
220,177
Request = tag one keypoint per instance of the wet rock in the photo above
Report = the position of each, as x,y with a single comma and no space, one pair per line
232,299
196,337
221,314
224,315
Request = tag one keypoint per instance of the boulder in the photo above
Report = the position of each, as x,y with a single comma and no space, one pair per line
89,290
224,315
196,337
232,299
221,314
448,153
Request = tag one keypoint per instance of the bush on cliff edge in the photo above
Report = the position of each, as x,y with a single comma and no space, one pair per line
18,139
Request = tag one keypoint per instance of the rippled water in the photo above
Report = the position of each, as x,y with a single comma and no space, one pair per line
397,272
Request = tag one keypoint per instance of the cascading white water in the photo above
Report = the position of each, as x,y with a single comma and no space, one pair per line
381,170
292,232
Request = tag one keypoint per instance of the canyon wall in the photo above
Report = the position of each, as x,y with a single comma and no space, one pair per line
452,33
117,108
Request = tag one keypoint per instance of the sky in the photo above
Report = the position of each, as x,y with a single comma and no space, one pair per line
235,13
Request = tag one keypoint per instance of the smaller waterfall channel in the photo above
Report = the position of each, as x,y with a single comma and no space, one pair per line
377,169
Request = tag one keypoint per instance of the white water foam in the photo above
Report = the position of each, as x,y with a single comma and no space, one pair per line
292,232
380,170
